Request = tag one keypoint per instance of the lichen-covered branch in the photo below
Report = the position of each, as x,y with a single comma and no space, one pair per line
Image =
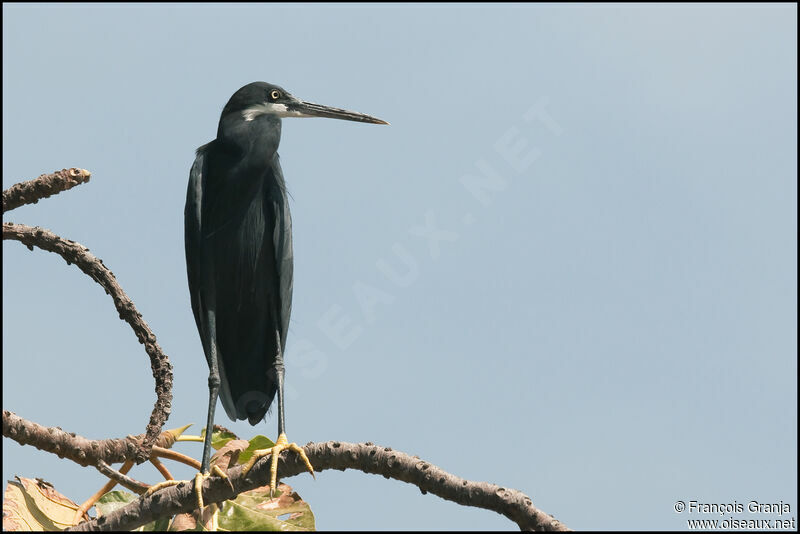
76,253
44,186
365,457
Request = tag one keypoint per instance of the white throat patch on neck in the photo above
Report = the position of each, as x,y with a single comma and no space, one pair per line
269,108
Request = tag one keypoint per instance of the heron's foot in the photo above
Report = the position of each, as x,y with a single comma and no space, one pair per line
199,478
281,445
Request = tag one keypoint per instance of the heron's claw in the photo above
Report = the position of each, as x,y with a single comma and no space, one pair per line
199,478
281,445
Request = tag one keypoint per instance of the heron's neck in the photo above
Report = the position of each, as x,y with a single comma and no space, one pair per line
256,140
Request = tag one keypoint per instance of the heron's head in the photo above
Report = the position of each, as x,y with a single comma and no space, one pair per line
257,99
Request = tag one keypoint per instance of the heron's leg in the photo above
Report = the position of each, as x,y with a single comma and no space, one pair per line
213,394
282,443
278,371
213,389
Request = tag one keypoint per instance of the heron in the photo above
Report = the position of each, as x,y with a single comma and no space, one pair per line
239,259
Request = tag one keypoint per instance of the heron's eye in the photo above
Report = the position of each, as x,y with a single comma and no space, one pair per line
275,94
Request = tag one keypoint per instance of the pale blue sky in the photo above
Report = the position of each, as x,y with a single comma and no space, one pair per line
613,324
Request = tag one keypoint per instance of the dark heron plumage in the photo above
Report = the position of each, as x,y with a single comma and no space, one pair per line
239,252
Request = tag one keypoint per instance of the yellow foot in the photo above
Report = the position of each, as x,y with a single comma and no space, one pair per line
198,484
281,445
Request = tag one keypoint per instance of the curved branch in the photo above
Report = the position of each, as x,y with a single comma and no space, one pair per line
44,186
175,456
366,457
75,253
178,499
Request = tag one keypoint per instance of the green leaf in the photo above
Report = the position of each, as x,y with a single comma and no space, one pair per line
251,510
114,500
257,443
218,438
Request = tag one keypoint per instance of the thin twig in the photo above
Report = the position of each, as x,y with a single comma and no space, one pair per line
83,510
160,452
122,479
161,468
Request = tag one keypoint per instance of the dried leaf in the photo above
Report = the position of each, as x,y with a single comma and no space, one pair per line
254,510
188,522
183,522
35,505
229,453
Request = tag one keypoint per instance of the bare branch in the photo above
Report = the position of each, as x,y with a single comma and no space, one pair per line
82,513
76,253
72,446
44,186
368,458
121,478
329,455
180,499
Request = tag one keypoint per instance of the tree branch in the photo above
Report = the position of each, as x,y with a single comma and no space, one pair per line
73,447
44,186
180,499
368,458
75,253
121,478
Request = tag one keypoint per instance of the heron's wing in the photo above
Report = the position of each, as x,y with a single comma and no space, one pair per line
284,253
239,256
192,238
200,263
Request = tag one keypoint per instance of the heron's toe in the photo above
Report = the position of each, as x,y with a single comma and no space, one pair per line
281,445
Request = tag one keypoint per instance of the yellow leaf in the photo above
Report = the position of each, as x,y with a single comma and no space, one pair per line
35,505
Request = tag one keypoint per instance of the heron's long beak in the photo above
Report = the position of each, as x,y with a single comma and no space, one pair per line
309,109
